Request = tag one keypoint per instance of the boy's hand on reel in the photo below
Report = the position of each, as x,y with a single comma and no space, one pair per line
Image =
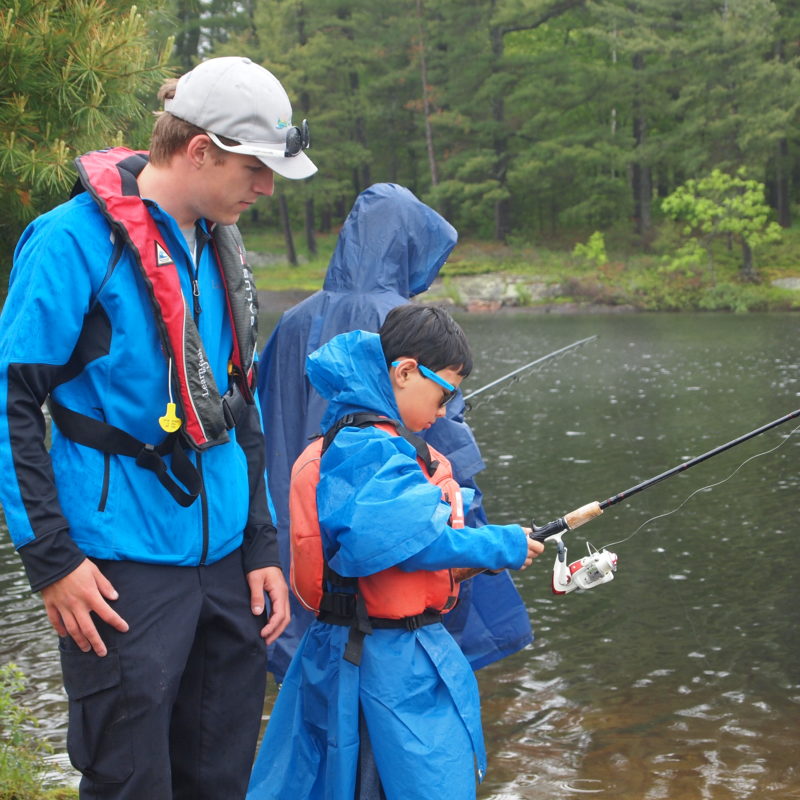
534,548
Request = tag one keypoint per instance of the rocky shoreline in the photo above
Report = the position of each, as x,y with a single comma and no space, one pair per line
473,294
491,293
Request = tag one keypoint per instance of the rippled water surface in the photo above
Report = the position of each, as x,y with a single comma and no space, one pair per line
681,678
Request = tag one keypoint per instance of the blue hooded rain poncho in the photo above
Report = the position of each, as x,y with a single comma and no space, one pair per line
390,248
415,689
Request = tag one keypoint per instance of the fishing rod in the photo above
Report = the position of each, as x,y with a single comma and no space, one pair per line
530,365
599,566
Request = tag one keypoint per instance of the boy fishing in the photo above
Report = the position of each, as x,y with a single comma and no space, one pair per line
378,547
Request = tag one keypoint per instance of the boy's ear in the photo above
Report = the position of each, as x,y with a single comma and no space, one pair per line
400,371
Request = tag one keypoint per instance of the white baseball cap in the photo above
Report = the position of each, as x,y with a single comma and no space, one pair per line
240,100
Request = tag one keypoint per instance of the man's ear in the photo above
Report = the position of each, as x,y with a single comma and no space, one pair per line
198,150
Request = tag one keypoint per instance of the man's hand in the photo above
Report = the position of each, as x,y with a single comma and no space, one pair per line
271,581
70,601
534,549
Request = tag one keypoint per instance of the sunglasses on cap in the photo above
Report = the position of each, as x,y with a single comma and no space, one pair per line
450,390
297,140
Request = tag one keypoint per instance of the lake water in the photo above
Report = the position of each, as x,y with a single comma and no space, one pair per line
680,679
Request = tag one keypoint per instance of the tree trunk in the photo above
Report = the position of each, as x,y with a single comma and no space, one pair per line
783,166
187,40
426,104
782,171
641,177
748,269
362,175
502,222
311,239
291,253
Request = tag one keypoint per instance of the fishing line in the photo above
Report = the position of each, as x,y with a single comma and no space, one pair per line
709,487
516,375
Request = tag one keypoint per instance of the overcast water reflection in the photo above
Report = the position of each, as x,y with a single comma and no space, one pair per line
680,678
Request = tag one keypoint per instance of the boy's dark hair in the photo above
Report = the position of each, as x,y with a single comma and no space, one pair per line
428,334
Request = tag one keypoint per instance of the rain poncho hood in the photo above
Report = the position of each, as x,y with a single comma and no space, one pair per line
391,247
414,689
390,242
337,371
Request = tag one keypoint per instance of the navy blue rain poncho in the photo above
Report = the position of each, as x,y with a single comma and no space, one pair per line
390,248
415,689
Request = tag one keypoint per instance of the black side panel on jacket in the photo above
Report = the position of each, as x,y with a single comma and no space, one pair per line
52,554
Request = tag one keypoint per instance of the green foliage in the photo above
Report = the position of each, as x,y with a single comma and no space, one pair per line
659,282
270,266
523,118
594,251
74,75
516,119
21,752
722,205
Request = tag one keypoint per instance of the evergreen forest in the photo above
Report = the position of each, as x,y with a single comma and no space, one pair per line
522,121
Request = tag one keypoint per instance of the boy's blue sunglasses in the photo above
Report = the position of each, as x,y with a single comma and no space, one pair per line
431,375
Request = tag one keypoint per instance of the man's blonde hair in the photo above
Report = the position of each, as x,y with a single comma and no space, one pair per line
172,134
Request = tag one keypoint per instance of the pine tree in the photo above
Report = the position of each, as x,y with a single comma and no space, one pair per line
74,75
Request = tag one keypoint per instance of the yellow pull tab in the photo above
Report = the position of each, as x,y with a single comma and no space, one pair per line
169,422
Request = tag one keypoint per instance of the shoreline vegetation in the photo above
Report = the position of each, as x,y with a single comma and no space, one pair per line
24,772
564,276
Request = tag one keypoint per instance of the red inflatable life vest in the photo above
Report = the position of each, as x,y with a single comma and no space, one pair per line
391,593
110,178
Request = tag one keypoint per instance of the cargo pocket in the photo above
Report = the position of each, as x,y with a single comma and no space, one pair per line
98,736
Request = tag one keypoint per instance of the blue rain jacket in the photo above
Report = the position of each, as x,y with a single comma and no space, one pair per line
69,297
416,690
390,248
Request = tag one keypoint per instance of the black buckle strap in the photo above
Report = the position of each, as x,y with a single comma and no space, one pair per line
233,403
350,611
409,623
182,467
329,617
361,627
95,433
338,606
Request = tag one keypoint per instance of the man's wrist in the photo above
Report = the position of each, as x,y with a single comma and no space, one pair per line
49,558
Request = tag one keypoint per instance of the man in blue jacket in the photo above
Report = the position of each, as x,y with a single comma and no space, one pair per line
391,248
131,310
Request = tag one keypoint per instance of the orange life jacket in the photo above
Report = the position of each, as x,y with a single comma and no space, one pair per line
391,593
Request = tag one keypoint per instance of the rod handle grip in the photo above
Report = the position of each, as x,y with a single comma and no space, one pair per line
461,574
583,514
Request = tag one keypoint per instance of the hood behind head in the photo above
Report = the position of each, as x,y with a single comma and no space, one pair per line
350,372
390,241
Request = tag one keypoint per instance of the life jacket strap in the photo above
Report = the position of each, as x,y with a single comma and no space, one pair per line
95,433
349,611
364,419
381,623
233,404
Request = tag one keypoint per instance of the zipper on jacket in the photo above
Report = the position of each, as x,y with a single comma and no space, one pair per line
201,239
204,510
101,506
196,298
